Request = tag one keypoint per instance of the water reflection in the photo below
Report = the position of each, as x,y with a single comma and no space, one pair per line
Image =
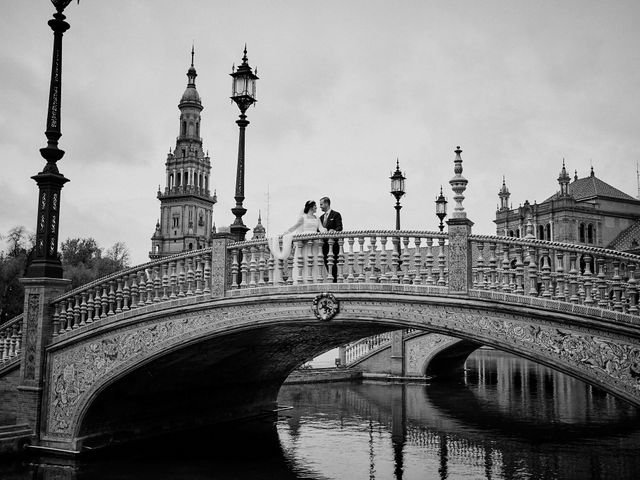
506,418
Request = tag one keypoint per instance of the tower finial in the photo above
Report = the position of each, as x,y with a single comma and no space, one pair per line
244,56
192,52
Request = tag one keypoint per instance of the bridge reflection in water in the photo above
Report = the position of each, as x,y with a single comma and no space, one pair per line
506,418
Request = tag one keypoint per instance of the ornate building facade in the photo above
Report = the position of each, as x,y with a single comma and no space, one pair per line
584,211
186,204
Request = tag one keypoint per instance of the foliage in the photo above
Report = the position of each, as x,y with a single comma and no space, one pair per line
82,259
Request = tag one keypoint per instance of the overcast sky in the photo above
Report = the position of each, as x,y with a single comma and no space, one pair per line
345,88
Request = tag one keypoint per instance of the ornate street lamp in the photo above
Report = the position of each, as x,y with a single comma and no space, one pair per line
44,261
397,190
441,208
244,94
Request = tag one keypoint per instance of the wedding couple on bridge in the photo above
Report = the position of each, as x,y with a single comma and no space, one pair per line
308,223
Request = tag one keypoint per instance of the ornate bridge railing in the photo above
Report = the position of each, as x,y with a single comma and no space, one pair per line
10,340
589,276
162,280
524,271
405,257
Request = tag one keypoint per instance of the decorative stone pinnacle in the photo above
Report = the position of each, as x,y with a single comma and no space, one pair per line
458,185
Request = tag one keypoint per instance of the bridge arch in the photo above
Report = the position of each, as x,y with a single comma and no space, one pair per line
273,330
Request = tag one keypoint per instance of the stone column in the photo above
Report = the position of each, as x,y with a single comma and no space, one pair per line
459,229
220,263
37,331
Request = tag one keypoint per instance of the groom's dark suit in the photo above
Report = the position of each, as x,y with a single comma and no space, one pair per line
333,222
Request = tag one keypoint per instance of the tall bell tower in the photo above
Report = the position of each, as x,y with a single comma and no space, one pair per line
186,204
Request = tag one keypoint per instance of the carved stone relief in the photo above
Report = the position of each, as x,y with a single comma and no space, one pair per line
420,349
31,336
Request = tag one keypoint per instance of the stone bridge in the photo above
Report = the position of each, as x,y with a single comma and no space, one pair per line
210,335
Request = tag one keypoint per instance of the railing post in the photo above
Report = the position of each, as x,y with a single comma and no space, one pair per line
37,332
459,229
220,264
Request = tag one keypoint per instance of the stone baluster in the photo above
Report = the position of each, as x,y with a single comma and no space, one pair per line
441,263
319,269
118,295
505,268
157,284
63,316
90,306
588,299
181,276
287,265
83,309
351,260
96,304
632,289
165,281
126,293
478,278
142,287
135,291
617,286
406,258
56,325
383,260
299,260
545,268
371,263
148,274
331,260
560,279
262,265
76,312
603,297
573,278
234,269
362,259
532,271
429,261
341,260
417,263
492,269
111,298
395,260
253,267
519,271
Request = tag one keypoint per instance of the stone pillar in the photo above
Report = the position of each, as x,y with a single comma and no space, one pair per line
459,228
397,353
342,355
220,263
37,331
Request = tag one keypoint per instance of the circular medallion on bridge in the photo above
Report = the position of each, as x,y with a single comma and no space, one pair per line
325,306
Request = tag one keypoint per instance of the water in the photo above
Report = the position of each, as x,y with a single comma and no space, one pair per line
507,418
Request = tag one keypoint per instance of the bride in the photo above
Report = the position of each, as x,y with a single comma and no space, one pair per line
306,223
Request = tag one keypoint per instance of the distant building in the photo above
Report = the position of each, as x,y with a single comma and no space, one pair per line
259,232
186,205
586,211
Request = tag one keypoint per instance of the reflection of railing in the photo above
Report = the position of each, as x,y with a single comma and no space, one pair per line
10,339
415,258
555,271
162,280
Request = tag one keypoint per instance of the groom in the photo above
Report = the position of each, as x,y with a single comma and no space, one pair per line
332,221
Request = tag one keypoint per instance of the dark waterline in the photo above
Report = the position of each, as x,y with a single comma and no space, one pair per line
506,418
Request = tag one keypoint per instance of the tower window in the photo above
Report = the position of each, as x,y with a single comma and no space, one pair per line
590,234
581,233
178,179
548,228
176,221
184,128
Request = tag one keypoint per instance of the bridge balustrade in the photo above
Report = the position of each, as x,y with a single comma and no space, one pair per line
356,350
573,274
401,257
10,340
162,280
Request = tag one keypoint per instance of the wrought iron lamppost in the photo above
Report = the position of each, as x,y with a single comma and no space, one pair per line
44,261
441,208
397,190
244,94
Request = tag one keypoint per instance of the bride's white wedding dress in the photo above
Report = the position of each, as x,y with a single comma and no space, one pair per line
305,224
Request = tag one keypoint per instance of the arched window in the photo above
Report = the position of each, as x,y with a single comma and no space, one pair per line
190,246
591,233
198,129
511,233
200,183
548,229
178,179
581,233
171,180
540,232
184,128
